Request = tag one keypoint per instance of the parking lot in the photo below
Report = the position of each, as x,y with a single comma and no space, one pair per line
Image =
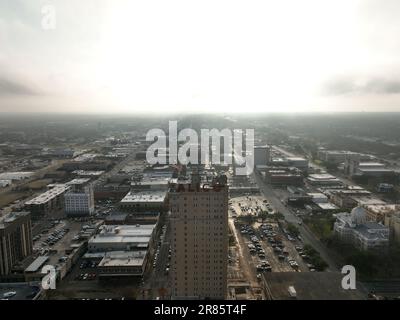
270,246
248,205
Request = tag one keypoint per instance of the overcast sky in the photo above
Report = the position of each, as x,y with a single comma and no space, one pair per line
234,55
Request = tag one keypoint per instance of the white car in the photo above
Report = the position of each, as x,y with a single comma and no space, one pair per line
9,294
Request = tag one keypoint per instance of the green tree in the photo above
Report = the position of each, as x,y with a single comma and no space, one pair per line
263,215
278,216
294,230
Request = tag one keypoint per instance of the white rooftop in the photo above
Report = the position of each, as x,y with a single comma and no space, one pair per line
78,181
322,176
327,206
124,234
145,196
48,195
123,258
15,175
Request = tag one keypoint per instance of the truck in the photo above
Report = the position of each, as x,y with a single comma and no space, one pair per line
292,292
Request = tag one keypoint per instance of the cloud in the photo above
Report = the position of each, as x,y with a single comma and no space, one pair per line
361,85
15,87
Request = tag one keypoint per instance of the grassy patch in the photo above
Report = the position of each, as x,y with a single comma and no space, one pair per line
315,258
321,226
9,197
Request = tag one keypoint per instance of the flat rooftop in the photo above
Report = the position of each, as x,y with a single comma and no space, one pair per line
37,263
371,164
86,157
16,175
375,169
78,181
88,173
354,191
383,208
369,200
145,196
123,259
322,176
327,206
296,159
10,218
139,234
48,195
373,231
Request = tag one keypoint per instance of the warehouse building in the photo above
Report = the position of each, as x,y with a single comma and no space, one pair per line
151,200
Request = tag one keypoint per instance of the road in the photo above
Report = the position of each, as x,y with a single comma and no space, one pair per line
156,279
305,233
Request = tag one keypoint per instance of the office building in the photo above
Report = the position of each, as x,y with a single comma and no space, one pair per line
355,229
122,250
15,240
122,238
150,200
47,202
79,199
378,212
199,238
323,180
298,162
333,156
282,176
262,155
355,166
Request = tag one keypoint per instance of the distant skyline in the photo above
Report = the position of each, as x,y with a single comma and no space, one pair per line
188,56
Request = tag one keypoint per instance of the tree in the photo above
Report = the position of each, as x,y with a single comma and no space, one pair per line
278,216
263,215
249,219
293,229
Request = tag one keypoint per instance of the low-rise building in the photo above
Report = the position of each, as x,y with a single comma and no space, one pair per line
344,198
88,174
355,166
333,156
79,199
318,197
384,187
47,202
282,176
378,212
151,200
122,238
298,162
353,228
323,180
16,176
123,263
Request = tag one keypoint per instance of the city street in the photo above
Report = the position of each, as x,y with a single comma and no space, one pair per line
305,233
